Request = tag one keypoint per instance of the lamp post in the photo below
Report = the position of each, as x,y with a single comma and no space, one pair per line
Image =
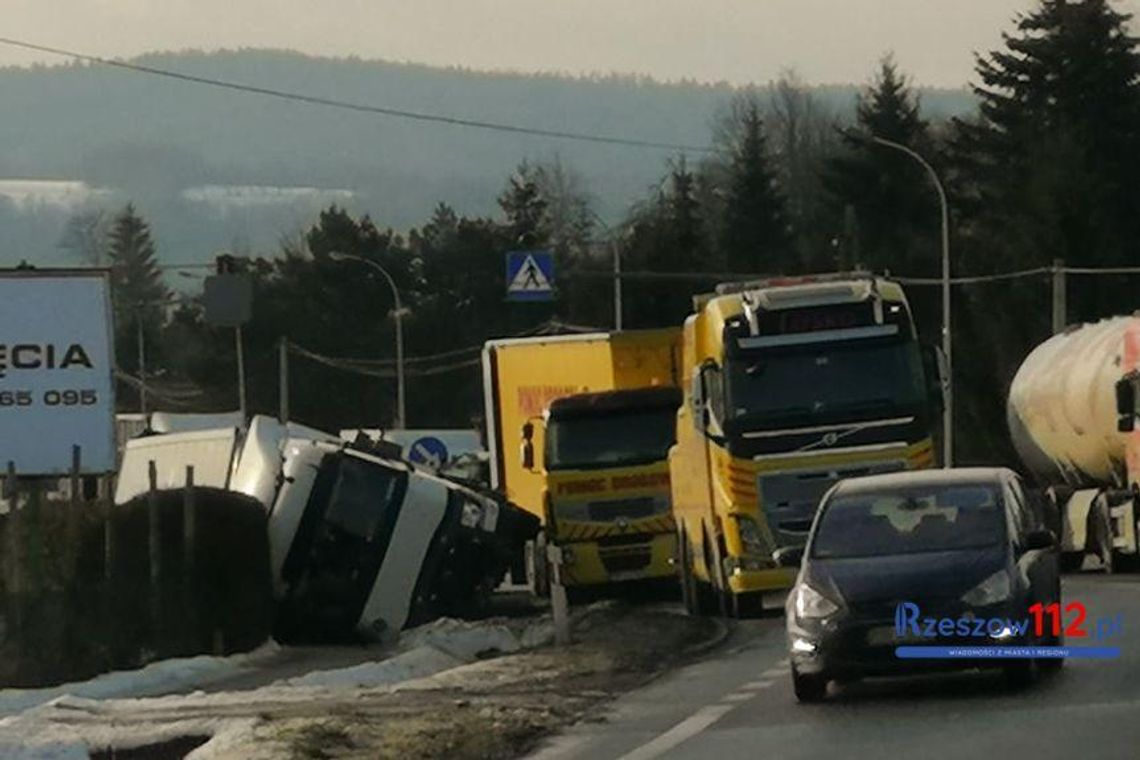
398,313
948,408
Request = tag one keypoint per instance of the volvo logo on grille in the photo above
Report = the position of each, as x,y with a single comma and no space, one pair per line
831,439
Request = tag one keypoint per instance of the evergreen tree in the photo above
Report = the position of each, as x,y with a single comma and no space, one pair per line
1051,161
1044,171
139,295
884,212
754,233
525,207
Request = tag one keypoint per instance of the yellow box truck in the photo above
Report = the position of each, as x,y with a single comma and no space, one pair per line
578,429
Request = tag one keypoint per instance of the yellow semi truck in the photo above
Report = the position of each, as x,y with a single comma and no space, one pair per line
790,385
578,430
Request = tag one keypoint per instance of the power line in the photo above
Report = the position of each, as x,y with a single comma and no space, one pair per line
360,107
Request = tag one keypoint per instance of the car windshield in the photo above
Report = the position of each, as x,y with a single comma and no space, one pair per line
825,379
889,522
610,440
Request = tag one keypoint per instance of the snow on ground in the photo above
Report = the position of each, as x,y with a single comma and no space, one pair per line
160,677
121,710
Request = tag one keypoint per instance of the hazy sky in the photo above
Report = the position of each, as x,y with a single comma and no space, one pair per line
735,40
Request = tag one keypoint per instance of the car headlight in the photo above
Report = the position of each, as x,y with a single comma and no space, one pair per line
750,536
992,590
810,604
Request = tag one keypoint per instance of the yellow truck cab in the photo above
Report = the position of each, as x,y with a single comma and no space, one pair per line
790,385
579,430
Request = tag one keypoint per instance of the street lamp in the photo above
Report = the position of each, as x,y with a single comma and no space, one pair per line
401,419
615,251
948,408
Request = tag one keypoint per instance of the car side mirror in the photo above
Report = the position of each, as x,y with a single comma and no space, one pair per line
789,556
527,449
1040,539
1125,405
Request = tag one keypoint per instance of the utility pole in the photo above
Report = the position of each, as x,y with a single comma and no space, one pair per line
140,337
283,378
1060,305
948,408
398,312
617,283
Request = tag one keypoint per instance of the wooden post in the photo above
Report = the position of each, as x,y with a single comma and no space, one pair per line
71,520
155,537
189,604
15,585
558,602
189,527
154,544
108,506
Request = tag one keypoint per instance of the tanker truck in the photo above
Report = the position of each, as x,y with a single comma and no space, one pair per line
1072,417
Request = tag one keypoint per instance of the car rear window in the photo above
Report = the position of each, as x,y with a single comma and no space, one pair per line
910,521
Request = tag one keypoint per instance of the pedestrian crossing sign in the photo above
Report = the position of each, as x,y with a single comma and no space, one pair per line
530,276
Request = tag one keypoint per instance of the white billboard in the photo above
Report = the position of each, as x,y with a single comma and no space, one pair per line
56,371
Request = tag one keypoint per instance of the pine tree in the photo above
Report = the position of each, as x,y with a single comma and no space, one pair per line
754,233
525,207
138,292
1052,159
882,198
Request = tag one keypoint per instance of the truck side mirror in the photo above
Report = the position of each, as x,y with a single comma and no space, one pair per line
527,449
1125,405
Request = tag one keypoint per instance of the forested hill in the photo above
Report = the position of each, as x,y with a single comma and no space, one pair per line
150,138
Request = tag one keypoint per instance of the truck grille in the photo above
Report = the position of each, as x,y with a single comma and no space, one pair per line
626,559
630,509
790,499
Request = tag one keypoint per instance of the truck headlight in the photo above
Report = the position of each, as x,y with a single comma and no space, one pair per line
810,604
750,537
992,590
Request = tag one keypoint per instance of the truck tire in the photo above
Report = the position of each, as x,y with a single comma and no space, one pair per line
538,571
1100,533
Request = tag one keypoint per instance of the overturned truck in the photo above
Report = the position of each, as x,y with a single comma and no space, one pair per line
360,542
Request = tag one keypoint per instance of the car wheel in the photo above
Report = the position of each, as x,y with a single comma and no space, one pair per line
809,688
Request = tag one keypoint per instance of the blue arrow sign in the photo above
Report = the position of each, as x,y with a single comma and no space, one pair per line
428,451
530,276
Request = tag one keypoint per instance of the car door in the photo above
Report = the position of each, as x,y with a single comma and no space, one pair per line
1037,566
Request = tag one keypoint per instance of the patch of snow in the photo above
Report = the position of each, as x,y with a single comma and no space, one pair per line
416,663
159,677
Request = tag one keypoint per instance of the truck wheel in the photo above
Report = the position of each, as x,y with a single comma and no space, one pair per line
538,572
685,575
809,688
1103,536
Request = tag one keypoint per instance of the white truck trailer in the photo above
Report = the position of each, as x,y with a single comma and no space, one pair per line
1072,416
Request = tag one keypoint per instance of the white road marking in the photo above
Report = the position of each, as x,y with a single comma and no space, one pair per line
737,697
686,729
757,685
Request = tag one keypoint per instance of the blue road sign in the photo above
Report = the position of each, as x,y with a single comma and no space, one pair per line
530,276
428,451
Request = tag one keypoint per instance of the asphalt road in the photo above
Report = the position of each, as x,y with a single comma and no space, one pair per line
738,702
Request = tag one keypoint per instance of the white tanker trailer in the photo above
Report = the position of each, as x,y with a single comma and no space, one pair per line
1072,416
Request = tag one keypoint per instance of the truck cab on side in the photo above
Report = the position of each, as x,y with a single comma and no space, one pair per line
791,385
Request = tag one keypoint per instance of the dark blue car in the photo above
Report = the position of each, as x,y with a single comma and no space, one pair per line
936,557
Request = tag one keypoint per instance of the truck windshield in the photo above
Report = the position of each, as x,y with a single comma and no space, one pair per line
615,439
886,523
829,380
